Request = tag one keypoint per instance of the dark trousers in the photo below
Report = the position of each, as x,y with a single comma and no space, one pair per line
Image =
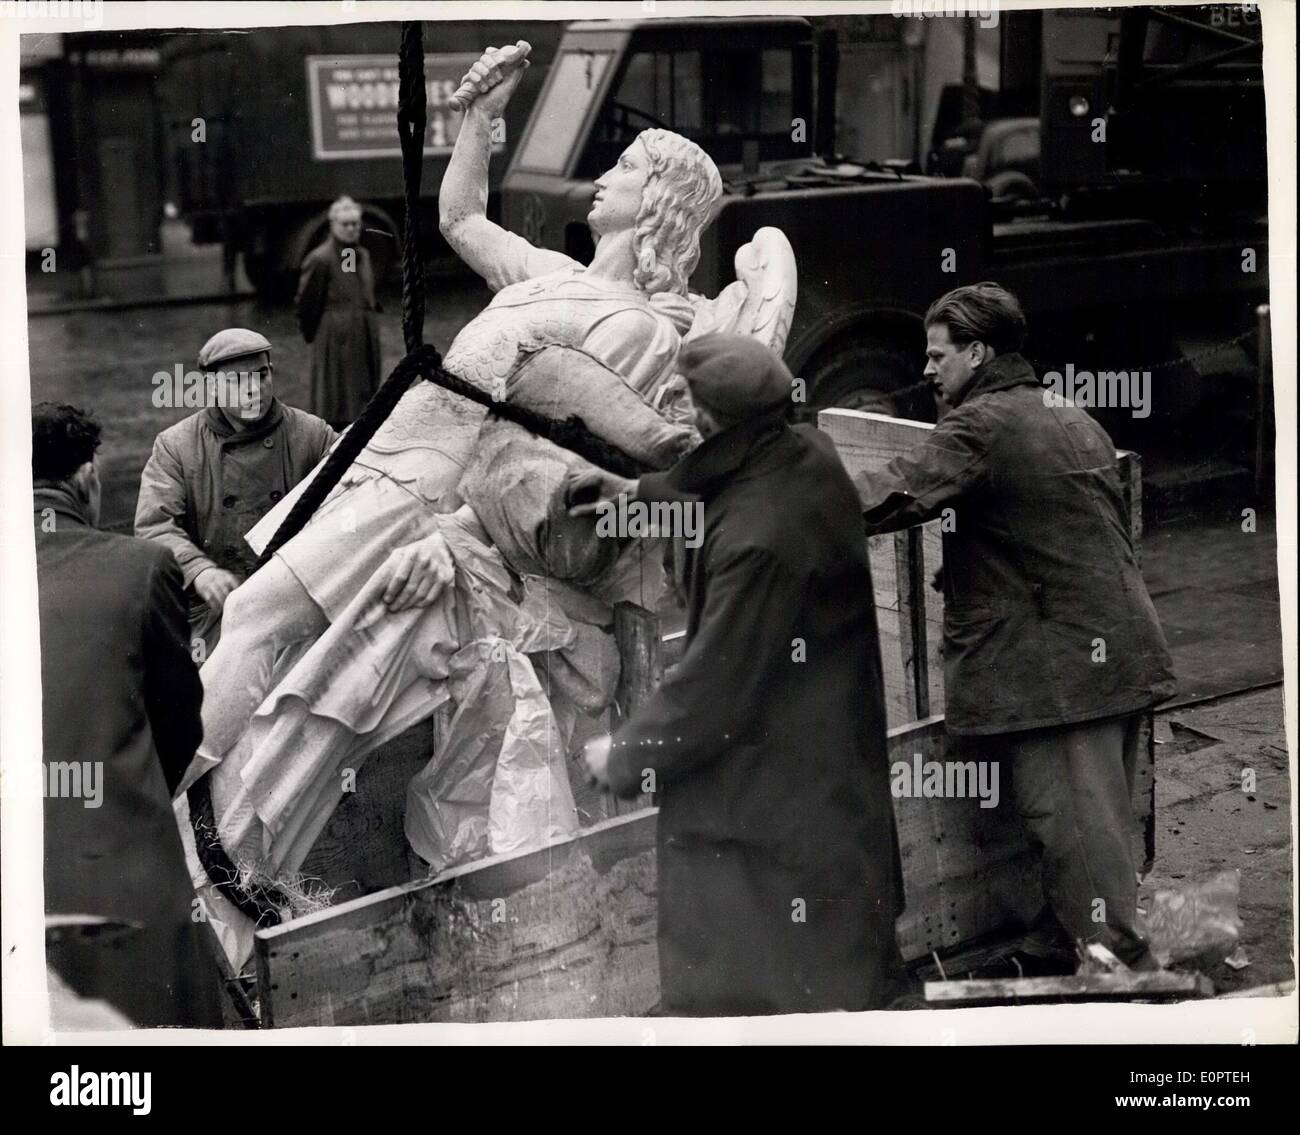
731,945
1072,787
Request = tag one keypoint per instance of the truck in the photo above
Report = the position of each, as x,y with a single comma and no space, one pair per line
263,131
1116,185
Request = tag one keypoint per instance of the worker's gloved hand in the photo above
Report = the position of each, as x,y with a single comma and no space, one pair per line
584,491
213,585
596,756
417,573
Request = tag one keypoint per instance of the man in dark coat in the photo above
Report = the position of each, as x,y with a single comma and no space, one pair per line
336,313
213,476
120,708
779,881
1052,648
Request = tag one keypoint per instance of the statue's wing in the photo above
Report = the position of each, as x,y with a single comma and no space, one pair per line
761,301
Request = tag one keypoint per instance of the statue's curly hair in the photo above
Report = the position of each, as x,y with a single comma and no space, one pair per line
681,196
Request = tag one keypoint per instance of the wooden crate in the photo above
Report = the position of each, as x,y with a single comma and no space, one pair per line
569,930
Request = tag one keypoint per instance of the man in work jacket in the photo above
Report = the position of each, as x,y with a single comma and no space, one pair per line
1052,648
215,474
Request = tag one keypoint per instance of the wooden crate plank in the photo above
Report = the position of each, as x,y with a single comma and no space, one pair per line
865,443
637,632
568,929
1079,987
967,870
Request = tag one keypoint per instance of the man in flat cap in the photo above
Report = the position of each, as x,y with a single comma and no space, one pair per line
779,880
212,476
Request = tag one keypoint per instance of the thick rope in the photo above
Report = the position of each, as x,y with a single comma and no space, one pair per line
570,433
411,101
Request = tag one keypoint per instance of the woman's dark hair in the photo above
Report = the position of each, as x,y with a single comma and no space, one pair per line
64,438
984,312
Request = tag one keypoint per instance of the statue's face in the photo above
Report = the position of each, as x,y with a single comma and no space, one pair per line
618,192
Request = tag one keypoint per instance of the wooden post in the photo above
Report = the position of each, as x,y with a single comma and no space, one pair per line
1263,397
636,631
1129,465
910,559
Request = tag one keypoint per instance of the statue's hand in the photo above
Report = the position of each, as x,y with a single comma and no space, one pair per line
493,79
417,573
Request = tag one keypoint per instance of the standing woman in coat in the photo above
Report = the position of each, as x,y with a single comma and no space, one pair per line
337,315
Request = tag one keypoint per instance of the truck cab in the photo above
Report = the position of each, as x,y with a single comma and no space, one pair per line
743,88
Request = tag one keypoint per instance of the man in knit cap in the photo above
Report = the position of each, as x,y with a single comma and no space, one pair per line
779,880
215,474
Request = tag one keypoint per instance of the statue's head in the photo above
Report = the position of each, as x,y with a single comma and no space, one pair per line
666,190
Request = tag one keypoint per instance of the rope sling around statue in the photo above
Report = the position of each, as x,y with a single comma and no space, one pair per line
262,903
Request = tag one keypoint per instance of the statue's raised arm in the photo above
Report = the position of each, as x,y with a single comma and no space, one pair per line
498,256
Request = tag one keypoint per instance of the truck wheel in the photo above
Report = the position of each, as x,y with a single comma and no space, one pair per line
273,284
872,375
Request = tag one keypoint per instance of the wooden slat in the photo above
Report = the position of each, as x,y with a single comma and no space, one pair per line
967,870
567,931
1080,987
637,633
1130,476
910,565
904,604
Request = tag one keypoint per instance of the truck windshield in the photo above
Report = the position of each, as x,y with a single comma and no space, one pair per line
556,123
719,98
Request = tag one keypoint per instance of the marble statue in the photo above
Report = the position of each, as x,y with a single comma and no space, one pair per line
394,600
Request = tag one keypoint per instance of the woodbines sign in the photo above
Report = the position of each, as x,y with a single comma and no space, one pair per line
354,104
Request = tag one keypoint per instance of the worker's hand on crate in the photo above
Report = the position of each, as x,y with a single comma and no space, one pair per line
493,79
596,755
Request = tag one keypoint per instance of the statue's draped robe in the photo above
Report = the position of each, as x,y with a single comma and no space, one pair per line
500,783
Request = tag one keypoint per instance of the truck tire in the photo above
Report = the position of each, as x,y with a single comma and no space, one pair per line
378,236
871,374
272,283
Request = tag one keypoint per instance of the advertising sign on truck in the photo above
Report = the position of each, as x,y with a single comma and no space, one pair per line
354,105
